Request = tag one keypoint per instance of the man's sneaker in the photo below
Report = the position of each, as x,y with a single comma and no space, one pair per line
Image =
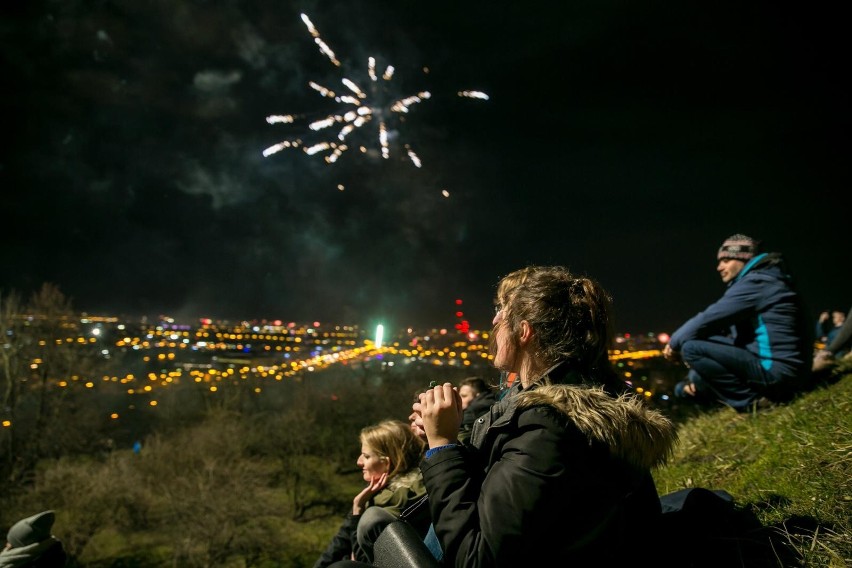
678,389
823,361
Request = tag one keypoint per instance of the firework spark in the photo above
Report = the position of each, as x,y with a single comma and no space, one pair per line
358,107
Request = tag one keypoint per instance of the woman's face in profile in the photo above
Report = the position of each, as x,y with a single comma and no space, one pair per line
504,357
372,464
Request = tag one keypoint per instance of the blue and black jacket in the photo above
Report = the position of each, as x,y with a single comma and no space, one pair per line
761,312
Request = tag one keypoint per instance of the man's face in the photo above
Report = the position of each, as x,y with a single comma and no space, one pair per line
467,394
728,268
837,318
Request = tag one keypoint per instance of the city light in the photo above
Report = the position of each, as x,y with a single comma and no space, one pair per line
380,330
217,355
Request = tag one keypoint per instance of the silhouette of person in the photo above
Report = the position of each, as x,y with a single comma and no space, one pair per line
30,544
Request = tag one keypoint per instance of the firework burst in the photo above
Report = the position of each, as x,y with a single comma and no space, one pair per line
358,107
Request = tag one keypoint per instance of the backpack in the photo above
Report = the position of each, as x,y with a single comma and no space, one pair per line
702,528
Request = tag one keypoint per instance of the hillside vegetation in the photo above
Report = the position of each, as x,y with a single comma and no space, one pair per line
242,480
268,489
790,466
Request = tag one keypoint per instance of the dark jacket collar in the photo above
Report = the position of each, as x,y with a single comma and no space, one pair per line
562,373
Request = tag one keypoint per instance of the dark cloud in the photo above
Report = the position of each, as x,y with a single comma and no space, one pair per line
623,140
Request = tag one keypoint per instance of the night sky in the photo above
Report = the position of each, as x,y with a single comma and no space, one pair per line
624,140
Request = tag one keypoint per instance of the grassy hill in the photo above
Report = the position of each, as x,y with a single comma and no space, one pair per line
268,488
789,466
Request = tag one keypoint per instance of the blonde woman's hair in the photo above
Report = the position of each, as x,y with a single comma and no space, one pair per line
394,440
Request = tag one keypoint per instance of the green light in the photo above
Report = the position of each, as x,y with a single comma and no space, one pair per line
380,330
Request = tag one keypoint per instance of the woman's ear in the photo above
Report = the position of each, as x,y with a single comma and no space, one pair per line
526,333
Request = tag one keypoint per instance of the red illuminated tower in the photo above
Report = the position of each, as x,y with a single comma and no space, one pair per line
462,325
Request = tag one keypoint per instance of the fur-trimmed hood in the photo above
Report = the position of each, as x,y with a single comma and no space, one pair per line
632,431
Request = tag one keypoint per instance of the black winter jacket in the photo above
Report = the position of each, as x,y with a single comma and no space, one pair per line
555,475
477,408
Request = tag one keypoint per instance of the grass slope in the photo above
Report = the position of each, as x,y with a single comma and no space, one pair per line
788,466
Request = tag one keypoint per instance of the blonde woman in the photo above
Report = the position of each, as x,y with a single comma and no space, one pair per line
389,460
